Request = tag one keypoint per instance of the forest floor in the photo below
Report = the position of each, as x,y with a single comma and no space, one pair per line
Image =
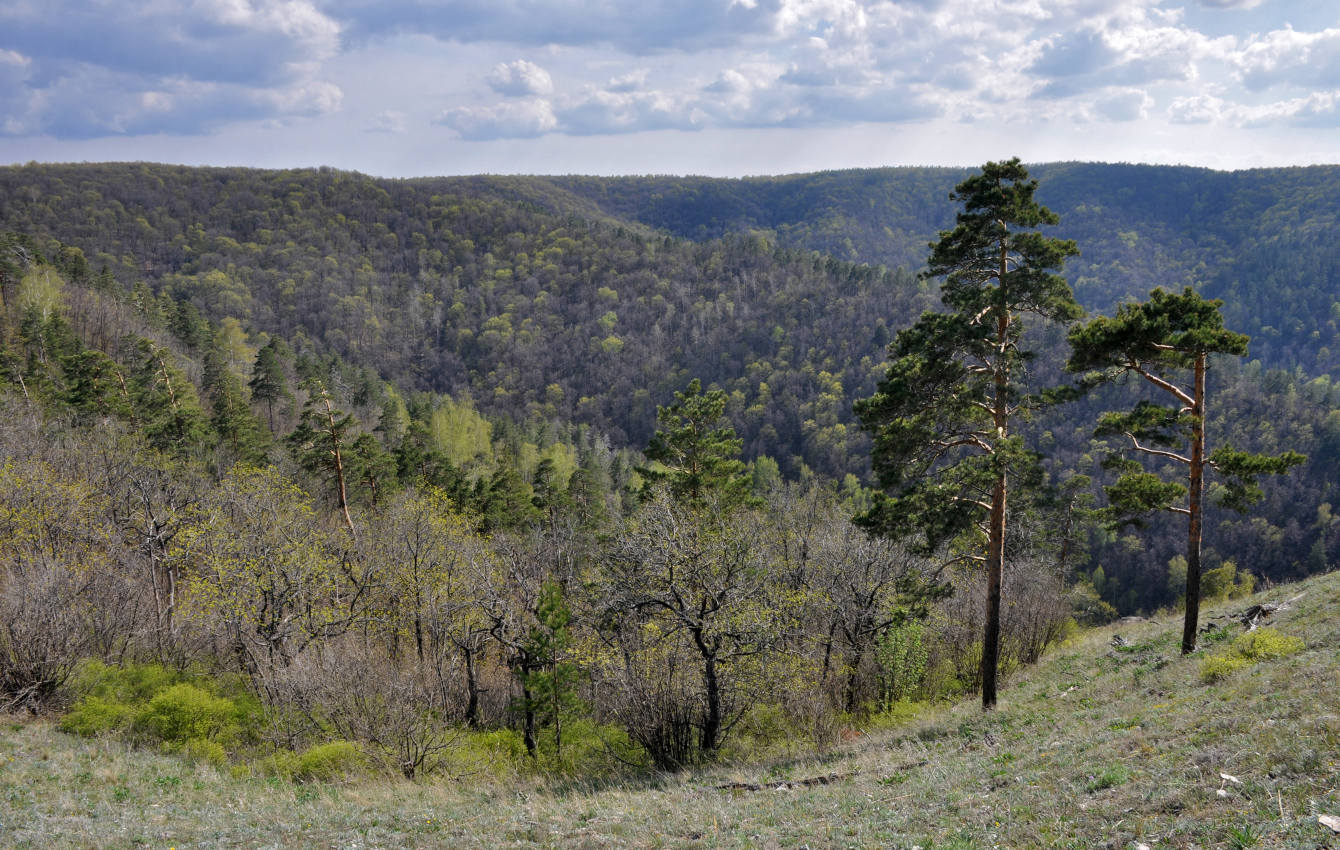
1096,746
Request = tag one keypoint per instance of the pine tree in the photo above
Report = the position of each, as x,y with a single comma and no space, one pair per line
698,451
550,689
372,469
941,418
95,387
231,415
1168,341
321,441
268,383
166,403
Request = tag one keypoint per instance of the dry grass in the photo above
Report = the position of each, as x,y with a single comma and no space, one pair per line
1094,747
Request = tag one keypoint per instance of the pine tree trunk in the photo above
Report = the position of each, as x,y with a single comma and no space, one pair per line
995,563
995,547
342,491
1191,624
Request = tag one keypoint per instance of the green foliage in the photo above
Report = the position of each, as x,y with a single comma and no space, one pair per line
231,416
194,718
203,750
183,712
109,698
268,383
94,715
1263,644
1214,668
166,402
902,657
463,435
1109,777
942,419
1226,582
329,761
698,452
130,682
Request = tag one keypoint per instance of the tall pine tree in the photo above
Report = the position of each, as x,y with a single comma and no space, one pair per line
941,418
1168,341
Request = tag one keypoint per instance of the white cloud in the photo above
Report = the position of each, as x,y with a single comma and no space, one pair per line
634,80
389,121
1290,58
98,68
1196,109
518,119
1124,105
520,79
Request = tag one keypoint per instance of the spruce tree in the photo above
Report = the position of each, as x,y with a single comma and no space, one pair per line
944,452
1168,341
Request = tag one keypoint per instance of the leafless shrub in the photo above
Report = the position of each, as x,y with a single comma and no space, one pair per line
361,697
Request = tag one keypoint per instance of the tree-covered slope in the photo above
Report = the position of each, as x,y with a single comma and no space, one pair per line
440,285
1264,240
576,299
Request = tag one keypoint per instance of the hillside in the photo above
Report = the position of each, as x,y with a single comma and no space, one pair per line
1096,746
553,301
1263,240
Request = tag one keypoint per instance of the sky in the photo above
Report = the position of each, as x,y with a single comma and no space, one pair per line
403,88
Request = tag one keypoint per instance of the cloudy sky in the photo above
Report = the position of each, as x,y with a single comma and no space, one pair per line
718,87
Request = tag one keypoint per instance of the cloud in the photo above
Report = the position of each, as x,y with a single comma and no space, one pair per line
253,42
1196,109
1290,58
1231,4
518,119
1126,105
89,103
632,81
636,28
1073,54
388,121
520,79
101,68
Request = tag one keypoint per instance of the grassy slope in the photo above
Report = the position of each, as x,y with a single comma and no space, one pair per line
1091,748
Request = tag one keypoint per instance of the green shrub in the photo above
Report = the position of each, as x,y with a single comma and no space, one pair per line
93,715
1109,778
183,712
128,683
328,761
1226,582
283,764
1216,667
1257,645
902,655
494,752
1266,643
205,751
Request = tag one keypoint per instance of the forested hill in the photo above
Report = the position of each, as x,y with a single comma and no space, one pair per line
579,299
444,286
1267,241
562,296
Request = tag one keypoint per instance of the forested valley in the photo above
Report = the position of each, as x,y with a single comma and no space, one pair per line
563,470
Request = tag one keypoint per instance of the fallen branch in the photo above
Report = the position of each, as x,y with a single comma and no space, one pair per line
787,784
1253,616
